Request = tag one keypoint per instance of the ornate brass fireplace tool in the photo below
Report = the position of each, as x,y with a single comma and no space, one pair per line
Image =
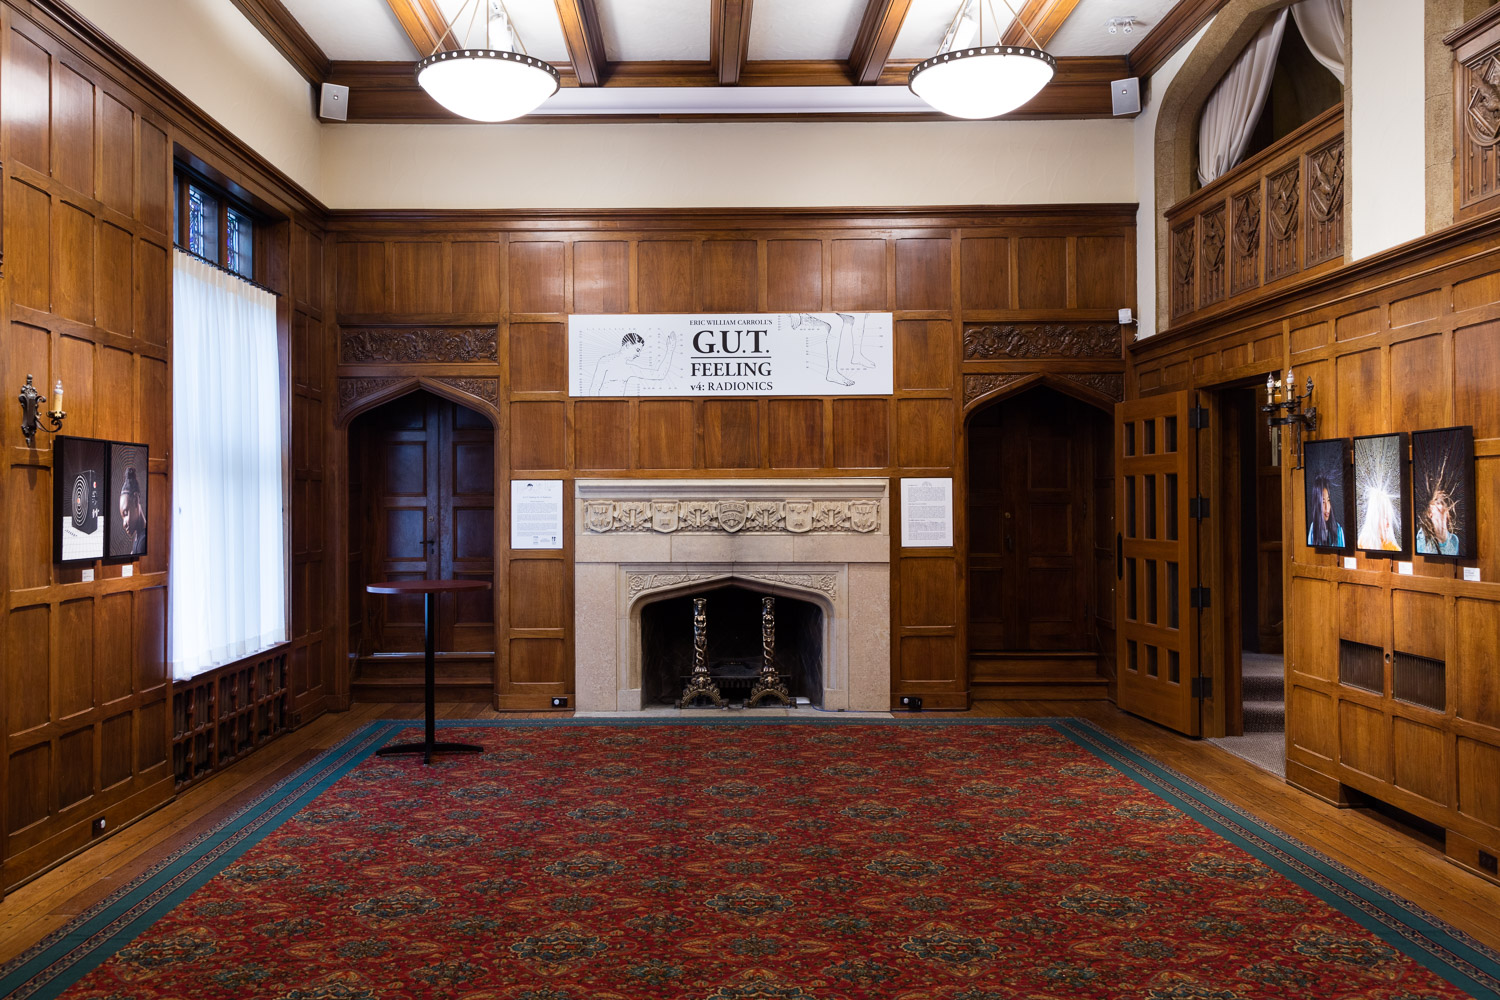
700,685
769,684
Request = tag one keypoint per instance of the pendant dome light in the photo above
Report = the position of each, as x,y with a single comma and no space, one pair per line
495,83
982,81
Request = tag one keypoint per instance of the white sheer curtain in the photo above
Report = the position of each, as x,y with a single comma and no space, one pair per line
1322,25
227,597
1233,108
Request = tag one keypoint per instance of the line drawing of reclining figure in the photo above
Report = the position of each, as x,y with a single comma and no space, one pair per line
833,344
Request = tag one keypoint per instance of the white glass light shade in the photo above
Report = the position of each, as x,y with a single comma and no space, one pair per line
982,82
487,85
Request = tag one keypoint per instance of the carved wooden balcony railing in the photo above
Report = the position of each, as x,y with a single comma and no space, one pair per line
1277,215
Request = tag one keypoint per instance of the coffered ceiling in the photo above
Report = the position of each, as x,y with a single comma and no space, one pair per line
720,59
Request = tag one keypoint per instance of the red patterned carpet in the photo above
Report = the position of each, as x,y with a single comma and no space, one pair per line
752,862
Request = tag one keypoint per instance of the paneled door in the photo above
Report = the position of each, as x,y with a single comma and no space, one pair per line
1157,549
434,486
1030,549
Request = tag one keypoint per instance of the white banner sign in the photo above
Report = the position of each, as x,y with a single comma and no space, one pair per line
758,354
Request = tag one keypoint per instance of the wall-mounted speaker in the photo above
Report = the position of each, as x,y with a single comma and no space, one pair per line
333,103
1125,95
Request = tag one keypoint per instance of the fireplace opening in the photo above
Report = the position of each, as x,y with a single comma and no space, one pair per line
735,652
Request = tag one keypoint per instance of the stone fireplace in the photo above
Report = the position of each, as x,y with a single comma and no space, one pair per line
638,542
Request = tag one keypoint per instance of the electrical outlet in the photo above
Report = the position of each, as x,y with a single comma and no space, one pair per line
912,702
559,703
98,826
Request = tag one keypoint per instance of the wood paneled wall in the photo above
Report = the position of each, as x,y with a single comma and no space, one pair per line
87,144
475,306
1406,340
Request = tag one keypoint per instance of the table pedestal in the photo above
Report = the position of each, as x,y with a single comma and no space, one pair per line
430,588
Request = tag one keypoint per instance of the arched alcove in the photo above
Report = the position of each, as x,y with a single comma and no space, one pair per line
420,503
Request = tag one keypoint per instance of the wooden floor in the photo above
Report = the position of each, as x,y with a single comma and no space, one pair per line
1363,841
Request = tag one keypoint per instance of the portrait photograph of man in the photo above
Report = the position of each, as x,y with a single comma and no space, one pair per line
1327,494
1442,485
125,506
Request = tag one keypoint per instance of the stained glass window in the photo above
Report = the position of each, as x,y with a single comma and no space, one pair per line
239,244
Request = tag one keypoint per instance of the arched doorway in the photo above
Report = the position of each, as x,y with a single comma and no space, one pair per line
421,505
1041,586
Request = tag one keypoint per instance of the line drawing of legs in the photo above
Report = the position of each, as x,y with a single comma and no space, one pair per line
857,356
831,344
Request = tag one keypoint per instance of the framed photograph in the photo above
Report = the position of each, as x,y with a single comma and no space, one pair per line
1382,495
80,467
1443,492
1327,494
126,502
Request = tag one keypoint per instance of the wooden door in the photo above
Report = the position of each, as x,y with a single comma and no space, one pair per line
1030,556
467,544
433,495
1157,626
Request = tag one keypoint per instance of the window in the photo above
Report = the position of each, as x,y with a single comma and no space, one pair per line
213,226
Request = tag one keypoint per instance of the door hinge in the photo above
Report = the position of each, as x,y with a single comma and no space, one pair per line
1197,508
1197,417
1198,597
1203,687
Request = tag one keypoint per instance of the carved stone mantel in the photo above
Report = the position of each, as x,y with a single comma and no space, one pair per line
638,541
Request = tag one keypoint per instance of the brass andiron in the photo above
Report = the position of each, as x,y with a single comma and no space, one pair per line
700,685
769,684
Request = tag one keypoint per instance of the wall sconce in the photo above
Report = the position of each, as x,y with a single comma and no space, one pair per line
1288,409
31,401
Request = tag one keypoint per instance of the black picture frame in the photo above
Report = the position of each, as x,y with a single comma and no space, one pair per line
1326,471
1382,495
79,483
129,486
1443,500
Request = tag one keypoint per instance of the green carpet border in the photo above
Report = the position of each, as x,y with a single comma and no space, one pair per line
50,967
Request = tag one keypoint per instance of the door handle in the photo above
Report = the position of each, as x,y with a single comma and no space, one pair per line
1119,556
429,541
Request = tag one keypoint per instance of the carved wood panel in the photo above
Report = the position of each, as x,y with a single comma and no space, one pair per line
1283,204
1276,215
1476,113
993,342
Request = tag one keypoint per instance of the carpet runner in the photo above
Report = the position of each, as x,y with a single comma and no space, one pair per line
752,860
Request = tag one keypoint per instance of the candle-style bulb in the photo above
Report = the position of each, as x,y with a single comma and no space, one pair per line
57,396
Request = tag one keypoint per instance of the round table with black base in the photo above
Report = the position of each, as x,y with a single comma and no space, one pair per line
431,588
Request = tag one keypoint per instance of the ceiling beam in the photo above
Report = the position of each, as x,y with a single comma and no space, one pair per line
387,92
274,21
423,24
585,40
1170,34
877,34
1041,18
730,48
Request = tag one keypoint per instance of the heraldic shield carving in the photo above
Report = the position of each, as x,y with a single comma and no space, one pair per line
599,515
732,514
799,515
864,515
664,515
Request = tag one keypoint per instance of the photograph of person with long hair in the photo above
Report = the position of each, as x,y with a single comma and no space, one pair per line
1326,493
1442,484
1381,492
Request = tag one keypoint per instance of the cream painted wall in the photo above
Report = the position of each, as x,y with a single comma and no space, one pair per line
1145,187
723,165
210,52
1387,155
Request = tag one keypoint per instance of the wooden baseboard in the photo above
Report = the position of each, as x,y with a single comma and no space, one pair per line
1041,691
1317,784
1472,856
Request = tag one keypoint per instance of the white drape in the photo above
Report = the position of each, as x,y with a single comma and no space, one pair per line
1233,108
227,594
1321,23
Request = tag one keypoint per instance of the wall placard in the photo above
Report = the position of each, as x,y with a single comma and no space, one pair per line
754,354
536,514
926,513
